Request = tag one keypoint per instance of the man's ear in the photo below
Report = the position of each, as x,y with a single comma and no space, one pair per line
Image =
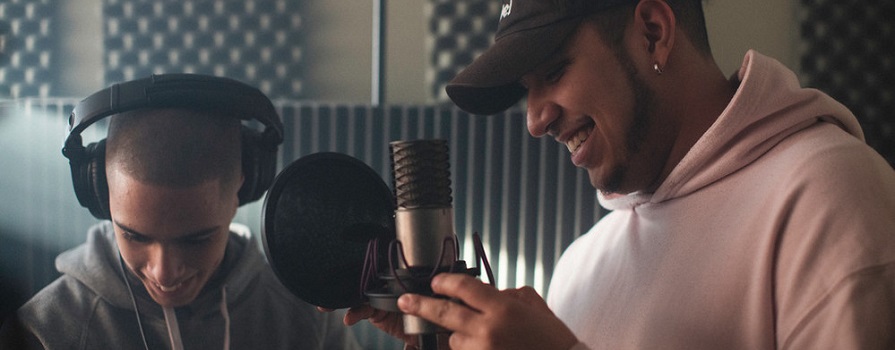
655,24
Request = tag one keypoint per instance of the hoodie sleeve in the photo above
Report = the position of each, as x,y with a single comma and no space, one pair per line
835,275
858,313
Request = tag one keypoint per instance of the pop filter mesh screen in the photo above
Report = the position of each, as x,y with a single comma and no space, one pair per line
319,217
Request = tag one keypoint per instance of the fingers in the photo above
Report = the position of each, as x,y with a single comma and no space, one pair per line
380,316
366,312
389,322
473,292
446,313
474,295
357,314
487,318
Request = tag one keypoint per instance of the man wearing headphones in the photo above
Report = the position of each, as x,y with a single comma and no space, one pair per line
168,269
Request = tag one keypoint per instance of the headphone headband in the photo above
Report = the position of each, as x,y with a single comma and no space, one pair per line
178,90
190,91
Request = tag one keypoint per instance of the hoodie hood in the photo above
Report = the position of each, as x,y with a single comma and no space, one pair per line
768,106
92,264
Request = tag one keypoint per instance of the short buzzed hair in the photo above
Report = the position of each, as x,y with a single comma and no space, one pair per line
175,147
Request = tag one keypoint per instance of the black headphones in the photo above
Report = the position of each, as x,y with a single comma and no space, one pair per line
233,98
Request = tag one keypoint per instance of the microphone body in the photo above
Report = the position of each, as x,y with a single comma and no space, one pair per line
423,233
424,218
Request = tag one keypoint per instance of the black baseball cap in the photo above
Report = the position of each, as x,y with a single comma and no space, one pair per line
529,31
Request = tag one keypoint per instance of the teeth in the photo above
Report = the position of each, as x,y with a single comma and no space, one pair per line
168,289
575,141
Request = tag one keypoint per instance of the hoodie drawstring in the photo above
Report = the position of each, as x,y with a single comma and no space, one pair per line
226,315
173,329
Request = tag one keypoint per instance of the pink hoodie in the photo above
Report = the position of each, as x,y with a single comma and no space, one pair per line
776,230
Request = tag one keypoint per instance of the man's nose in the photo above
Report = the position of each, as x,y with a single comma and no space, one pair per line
541,116
166,264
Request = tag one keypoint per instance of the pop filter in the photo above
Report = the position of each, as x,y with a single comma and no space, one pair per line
319,215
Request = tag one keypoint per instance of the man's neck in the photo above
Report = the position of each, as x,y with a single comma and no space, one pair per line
695,94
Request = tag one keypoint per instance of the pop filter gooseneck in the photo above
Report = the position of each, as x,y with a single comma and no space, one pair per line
319,216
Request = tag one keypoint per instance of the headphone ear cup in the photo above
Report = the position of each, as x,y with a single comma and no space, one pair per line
258,166
267,165
90,183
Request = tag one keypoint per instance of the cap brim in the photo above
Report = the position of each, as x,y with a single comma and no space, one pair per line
491,83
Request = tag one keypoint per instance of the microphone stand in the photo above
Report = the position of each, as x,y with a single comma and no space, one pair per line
428,341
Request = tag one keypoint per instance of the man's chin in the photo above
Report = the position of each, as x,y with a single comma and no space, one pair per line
176,298
165,301
598,181
609,180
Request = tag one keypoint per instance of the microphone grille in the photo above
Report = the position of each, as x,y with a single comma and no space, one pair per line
421,173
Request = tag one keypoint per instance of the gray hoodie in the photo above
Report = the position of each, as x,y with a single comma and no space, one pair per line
242,307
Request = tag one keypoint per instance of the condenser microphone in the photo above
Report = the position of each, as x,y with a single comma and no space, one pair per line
424,217
425,243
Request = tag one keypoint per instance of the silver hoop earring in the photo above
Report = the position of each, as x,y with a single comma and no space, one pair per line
657,68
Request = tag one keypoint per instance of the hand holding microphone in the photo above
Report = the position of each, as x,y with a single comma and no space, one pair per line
488,318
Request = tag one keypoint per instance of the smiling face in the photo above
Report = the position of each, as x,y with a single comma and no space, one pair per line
173,239
592,99
174,177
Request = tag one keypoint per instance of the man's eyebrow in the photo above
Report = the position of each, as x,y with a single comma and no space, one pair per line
192,235
200,233
128,229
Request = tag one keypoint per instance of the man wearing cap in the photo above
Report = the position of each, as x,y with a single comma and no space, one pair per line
748,213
